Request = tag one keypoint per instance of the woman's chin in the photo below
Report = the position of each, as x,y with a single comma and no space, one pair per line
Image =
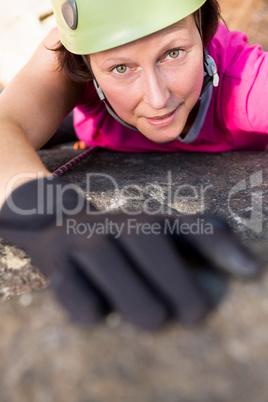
162,135
161,138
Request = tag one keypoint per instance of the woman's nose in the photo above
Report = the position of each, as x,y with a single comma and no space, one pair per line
155,90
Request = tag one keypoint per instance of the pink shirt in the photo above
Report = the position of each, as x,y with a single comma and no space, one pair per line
236,118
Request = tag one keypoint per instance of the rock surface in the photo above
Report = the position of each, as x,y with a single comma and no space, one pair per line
45,357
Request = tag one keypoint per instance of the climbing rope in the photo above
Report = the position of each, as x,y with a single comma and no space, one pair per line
73,162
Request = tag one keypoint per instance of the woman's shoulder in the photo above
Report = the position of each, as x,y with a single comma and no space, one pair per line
233,54
243,71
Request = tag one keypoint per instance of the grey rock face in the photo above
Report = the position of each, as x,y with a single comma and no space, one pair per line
45,357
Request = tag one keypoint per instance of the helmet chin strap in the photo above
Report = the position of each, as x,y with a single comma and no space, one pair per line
108,107
210,77
103,99
210,68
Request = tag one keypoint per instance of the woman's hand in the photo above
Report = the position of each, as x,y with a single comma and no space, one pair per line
149,269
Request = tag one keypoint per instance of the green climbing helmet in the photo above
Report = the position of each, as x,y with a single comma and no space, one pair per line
90,26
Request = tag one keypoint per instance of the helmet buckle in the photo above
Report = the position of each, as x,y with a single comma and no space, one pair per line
211,69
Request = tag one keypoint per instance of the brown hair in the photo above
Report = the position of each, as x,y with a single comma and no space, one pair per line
77,70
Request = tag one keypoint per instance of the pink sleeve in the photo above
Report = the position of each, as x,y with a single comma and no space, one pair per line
257,101
244,74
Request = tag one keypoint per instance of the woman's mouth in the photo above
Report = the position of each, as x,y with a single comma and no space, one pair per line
162,121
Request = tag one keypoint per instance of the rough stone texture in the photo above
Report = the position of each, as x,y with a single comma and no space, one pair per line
46,358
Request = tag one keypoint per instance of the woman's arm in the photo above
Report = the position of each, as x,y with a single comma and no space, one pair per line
32,107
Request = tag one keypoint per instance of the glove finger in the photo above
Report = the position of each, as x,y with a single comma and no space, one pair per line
158,259
34,205
220,248
213,283
118,281
74,292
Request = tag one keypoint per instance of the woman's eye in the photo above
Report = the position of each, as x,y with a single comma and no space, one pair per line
120,69
174,54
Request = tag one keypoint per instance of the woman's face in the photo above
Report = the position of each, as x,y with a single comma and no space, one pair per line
153,83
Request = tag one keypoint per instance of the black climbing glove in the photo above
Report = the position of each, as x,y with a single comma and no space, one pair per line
147,268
